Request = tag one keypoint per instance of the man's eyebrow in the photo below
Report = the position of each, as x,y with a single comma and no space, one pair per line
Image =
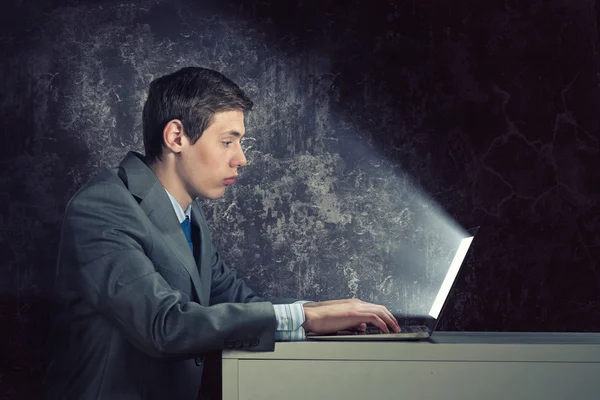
233,133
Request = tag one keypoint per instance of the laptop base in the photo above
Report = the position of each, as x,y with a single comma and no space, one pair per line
408,333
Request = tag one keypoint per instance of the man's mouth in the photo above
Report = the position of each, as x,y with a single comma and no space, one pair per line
230,180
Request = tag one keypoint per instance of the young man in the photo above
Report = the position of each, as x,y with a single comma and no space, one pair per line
142,293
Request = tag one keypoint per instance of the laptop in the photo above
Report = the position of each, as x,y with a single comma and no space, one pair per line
413,327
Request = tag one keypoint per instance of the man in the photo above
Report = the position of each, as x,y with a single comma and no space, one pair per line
142,293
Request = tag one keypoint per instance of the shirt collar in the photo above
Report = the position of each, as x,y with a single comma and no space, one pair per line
178,210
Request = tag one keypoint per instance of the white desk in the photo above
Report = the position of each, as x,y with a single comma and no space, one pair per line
452,366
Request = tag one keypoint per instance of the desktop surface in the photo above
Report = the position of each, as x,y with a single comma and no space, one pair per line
452,365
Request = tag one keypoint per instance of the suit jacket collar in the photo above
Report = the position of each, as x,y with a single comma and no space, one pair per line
139,178
152,197
204,249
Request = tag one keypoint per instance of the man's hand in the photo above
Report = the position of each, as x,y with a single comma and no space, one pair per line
337,315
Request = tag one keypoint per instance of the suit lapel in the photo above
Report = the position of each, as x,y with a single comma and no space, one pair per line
203,244
144,185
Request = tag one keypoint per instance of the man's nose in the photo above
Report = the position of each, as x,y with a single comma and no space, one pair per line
240,160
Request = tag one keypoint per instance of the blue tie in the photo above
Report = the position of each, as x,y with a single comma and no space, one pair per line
187,230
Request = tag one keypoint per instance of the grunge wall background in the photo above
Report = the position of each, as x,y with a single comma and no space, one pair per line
371,120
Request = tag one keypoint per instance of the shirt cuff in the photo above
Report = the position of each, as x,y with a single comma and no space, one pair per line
290,318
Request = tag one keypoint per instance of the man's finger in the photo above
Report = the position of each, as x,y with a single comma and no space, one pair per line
378,322
390,321
395,326
384,314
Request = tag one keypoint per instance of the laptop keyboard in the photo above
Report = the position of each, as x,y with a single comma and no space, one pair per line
373,330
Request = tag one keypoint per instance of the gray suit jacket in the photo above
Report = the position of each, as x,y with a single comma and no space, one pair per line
136,310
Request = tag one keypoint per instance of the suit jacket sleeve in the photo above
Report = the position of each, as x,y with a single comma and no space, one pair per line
104,245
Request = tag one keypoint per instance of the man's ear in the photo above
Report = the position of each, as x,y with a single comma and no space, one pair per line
173,136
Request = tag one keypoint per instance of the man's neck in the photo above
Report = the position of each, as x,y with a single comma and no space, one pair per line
166,174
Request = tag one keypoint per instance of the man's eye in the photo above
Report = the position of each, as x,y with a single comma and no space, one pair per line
227,143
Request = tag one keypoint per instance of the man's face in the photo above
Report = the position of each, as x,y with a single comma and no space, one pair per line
211,164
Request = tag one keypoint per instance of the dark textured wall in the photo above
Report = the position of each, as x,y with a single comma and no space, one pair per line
373,123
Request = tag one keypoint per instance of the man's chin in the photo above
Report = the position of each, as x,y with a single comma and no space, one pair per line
213,195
